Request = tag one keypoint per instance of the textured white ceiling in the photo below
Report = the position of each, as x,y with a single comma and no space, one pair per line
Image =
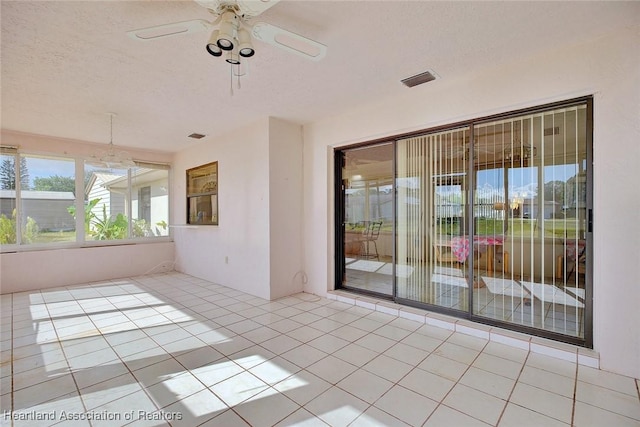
66,64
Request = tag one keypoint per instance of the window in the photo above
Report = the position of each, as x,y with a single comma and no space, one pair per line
47,200
115,195
42,206
144,204
150,201
202,195
8,212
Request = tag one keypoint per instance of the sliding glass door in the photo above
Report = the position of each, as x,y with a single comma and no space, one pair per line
531,209
366,218
490,220
431,216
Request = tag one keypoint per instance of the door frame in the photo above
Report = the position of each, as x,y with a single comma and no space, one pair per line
339,229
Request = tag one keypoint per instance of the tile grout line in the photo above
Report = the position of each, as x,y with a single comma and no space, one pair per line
575,392
227,357
171,356
367,333
119,310
469,365
234,299
370,405
12,406
508,400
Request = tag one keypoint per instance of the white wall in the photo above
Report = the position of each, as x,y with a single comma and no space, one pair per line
25,271
257,246
234,253
285,208
608,68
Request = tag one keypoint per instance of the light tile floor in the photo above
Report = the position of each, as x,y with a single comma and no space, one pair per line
175,350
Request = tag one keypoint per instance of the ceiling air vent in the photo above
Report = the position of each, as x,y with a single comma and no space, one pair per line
197,136
418,79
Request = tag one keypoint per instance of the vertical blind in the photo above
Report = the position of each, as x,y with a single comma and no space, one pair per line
528,248
430,205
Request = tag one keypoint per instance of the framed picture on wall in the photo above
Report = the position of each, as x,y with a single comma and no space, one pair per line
202,195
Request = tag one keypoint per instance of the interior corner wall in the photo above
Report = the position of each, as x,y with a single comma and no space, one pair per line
234,253
607,68
285,208
257,246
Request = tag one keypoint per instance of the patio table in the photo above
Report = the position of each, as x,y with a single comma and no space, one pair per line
460,247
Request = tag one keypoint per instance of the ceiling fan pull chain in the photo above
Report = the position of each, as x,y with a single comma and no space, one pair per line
231,79
239,87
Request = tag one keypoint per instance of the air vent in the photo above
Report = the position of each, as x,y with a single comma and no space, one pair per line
418,79
197,136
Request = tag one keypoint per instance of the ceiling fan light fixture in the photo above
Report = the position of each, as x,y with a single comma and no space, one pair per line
245,48
226,30
212,46
233,58
233,31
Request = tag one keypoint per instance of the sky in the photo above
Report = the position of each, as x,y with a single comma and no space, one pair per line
39,168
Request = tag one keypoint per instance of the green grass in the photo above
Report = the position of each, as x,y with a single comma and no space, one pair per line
55,237
518,227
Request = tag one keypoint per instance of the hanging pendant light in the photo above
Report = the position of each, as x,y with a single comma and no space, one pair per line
111,158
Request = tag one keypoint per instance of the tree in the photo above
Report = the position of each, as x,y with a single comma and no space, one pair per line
55,183
8,174
554,190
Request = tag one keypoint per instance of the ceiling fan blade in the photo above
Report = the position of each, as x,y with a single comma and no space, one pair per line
289,41
169,30
252,8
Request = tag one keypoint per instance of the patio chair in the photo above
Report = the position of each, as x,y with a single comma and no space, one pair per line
371,236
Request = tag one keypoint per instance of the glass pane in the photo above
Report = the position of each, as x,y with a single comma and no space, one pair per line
150,202
47,200
432,258
202,195
8,198
107,194
530,210
368,195
203,209
203,179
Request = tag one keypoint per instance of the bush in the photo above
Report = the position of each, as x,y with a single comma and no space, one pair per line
8,230
109,228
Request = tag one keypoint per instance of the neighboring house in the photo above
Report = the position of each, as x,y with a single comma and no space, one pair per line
530,209
103,186
49,209
149,197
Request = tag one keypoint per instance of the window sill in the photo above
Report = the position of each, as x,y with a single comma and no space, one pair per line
7,249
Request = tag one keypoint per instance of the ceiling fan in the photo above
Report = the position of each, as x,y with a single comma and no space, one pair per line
233,31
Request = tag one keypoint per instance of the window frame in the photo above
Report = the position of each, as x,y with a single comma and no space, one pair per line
586,339
80,240
194,177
